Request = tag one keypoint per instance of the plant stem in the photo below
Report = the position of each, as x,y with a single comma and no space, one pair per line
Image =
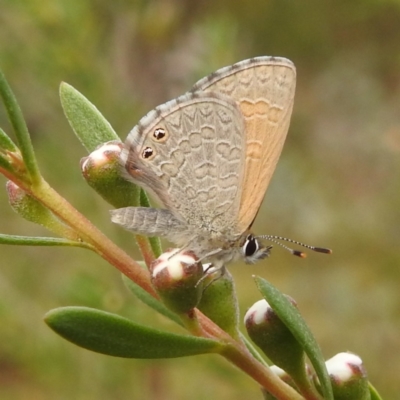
20,129
145,249
240,357
90,234
237,353
304,385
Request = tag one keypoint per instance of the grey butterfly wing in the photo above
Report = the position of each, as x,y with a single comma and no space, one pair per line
263,88
149,221
188,153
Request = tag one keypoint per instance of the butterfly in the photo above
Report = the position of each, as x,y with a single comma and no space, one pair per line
208,156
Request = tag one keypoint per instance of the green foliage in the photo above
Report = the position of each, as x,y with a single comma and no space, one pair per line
37,241
293,320
220,303
116,336
345,127
6,144
149,300
21,132
113,335
91,128
374,394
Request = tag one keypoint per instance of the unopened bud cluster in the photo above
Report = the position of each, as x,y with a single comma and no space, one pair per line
348,376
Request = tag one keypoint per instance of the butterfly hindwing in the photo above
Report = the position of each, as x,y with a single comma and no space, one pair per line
189,153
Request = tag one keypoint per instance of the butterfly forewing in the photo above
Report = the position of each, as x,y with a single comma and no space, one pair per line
190,152
263,87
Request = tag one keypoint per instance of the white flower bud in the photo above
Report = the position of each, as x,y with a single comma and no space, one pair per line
348,377
176,276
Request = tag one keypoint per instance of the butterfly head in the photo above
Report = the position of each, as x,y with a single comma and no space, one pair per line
253,250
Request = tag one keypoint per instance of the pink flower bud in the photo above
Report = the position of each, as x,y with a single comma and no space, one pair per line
32,210
27,206
103,157
102,172
348,377
177,277
273,337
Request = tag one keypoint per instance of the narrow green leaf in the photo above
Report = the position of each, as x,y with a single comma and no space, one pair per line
20,129
252,349
6,143
373,393
155,242
5,164
89,125
149,300
39,241
155,245
144,199
291,317
113,335
92,129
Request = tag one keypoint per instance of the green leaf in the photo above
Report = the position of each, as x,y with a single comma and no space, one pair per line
219,301
113,335
89,125
5,164
6,143
155,242
144,200
39,241
252,349
291,317
373,393
149,300
20,129
92,129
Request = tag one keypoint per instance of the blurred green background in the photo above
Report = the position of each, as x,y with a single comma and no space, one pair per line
336,185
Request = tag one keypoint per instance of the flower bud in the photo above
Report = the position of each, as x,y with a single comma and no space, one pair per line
280,373
273,337
219,300
348,377
177,278
11,158
102,172
32,210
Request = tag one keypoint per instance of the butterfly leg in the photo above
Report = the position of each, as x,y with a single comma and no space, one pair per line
211,270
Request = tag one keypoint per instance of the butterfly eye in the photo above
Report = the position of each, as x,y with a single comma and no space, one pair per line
250,246
159,134
252,251
147,152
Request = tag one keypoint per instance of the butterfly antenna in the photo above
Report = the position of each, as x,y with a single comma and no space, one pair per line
298,253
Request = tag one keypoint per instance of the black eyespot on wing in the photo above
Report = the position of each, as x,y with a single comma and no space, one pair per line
159,133
147,152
